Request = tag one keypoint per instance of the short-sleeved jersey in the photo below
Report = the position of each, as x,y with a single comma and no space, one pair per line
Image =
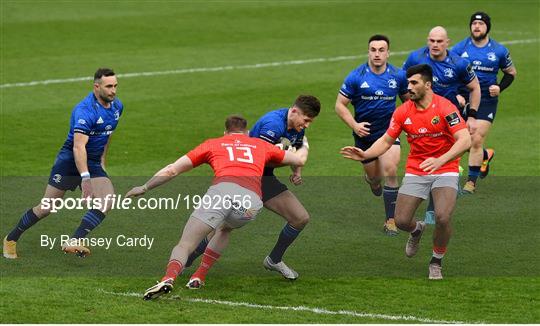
486,61
448,75
373,96
271,127
237,158
429,132
89,117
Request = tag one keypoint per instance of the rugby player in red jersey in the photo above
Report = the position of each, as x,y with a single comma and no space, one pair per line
238,162
437,136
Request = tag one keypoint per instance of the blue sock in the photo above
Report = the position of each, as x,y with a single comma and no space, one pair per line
27,220
474,173
431,205
90,221
197,252
286,237
390,196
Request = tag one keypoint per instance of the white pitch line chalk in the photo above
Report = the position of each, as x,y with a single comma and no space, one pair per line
320,311
222,68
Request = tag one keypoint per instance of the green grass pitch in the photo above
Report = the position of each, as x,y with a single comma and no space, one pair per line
349,271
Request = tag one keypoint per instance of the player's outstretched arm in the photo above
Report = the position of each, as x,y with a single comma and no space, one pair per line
377,149
462,144
164,175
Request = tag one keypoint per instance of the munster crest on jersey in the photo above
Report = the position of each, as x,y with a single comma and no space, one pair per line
435,120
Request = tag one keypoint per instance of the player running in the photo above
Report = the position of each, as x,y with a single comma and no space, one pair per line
437,136
238,162
450,73
487,57
373,88
274,127
80,163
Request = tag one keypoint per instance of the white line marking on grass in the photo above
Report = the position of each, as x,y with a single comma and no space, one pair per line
320,311
222,68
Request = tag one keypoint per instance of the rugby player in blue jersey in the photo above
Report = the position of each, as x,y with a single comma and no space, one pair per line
274,127
373,88
487,57
80,162
450,74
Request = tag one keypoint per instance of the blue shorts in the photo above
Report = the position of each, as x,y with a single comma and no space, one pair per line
364,145
65,176
487,111
271,187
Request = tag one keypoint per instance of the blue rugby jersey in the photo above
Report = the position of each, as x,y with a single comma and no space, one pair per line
448,75
486,62
89,117
374,96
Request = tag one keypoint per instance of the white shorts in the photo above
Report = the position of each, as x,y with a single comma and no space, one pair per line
228,203
420,185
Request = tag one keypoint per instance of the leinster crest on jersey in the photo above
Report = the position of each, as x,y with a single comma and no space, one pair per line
392,83
449,72
492,56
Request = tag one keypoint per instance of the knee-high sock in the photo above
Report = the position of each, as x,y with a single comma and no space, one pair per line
390,196
27,220
286,237
208,259
90,221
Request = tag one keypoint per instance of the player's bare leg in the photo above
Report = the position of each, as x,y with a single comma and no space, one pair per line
373,176
29,218
445,202
103,192
213,251
194,231
406,207
389,162
476,154
289,207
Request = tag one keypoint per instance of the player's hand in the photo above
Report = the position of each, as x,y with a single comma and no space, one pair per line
494,90
471,124
353,153
296,179
86,187
461,101
136,192
431,164
362,129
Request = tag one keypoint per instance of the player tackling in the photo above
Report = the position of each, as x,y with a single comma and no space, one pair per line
437,136
238,162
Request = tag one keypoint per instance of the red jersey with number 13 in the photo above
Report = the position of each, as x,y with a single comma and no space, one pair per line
237,158
429,132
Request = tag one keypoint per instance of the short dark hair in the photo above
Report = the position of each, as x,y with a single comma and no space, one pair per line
423,69
235,123
379,37
103,72
309,105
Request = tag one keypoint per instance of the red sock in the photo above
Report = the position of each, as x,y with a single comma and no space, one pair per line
438,252
174,267
208,259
